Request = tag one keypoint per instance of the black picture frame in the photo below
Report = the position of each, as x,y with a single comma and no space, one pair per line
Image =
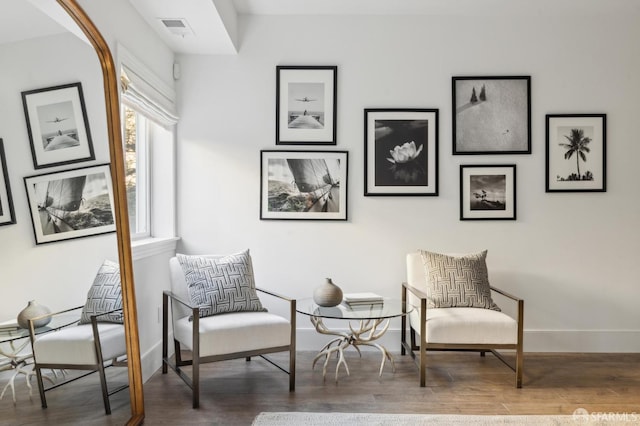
306,104
488,192
71,204
57,125
401,151
7,213
581,138
303,185
491,115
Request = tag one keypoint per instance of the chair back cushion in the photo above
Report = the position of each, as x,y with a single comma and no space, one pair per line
220,284
458,281
105,295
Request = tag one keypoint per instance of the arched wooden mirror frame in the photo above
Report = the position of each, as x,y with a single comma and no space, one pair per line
120,207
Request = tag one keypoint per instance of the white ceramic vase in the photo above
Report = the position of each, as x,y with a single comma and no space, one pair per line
327,294
33,309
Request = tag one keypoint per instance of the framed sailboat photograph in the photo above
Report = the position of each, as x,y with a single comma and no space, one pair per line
71,204
308,185
306,105
57,125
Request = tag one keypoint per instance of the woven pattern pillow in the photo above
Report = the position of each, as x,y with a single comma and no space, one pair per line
104,295
457,281
221,284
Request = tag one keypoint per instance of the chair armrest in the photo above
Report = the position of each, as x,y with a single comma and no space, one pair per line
179,299
32,331
416,291
505,294
271,293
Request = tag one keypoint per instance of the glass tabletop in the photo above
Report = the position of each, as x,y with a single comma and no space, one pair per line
57,321
389,308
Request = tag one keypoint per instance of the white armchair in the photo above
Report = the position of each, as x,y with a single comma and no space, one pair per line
222,336
97,341
457,328
91,347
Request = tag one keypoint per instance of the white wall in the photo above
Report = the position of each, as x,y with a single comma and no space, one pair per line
572,257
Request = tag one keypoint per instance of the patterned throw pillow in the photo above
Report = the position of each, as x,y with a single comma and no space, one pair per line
457,281
105,295
221,284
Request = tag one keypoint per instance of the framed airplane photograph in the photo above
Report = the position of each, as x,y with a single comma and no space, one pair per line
306,105
57,125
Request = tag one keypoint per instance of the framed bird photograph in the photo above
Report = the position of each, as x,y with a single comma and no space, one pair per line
57,125
401,152
488,192
306,105
576,152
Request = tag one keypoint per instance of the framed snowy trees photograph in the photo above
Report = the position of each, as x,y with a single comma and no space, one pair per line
576,152
491,115
303,185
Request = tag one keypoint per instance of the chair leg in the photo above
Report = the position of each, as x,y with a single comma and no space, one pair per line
43,399
103,385
248,358
292,368
165,331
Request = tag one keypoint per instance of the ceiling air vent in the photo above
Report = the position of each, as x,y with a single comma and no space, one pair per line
177,26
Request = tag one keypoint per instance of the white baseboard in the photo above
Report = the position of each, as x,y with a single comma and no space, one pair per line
151,361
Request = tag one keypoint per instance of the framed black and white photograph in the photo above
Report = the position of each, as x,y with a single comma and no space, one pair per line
491,115
488,192
576,153
303,185
58,126
401,152
7,214
306,105
71,204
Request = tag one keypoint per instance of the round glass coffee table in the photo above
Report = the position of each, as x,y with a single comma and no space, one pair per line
373,322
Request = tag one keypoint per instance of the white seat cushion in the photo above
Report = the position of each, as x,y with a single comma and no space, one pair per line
75,345
468,326
235,332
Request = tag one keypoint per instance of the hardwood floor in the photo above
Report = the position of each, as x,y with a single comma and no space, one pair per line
234,392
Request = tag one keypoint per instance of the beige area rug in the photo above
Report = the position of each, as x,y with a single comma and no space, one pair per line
373,419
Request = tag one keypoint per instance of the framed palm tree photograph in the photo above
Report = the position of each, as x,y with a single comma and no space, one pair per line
576,152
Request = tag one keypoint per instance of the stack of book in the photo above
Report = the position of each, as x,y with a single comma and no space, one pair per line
360,300
10,325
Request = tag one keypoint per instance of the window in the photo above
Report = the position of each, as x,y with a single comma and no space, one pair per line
148,133
136,153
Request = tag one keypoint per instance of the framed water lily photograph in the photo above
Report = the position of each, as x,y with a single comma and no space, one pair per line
71,204
303,185
306,104
7,214
576,152
401,152
491,115
488,192
57,125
